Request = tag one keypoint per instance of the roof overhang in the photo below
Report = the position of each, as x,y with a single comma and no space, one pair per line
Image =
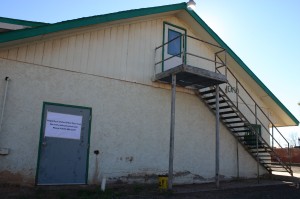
8,24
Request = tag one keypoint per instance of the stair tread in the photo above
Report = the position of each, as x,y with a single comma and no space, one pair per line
240,131
209,97
233,122
227,112
220,102
232,117
229,117
241,126
274,163
254,147
281,171
207,92
221,107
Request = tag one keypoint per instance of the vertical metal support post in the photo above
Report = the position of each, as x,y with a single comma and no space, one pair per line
272,136
217,137
4,102
237,93
184,42
215,62
290,157
225,64
237,160
256,132
154,64
172,128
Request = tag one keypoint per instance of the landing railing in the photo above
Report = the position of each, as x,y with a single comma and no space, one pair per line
254,113
194,52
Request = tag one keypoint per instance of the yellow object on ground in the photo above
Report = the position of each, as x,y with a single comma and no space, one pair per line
163,182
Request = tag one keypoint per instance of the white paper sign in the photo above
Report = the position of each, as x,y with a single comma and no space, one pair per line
63,125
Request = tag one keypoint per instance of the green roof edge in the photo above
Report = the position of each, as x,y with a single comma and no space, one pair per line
242,64
21,22
76,23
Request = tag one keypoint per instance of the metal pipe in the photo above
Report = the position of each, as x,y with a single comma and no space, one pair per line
215,63
236,94
172,128
272,136
237,160
258,107
290,157
205,42
257,159
168,42
207,59
217,137
4,101
168,58
242,101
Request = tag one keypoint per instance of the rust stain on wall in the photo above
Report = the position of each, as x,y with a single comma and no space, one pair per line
15,178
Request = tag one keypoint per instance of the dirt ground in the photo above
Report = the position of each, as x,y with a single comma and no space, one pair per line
276,187
244,189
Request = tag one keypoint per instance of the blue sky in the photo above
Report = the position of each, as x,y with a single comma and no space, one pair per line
265,34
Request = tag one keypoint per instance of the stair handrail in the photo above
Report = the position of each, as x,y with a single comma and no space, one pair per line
260,122
287,167
240,113
257,106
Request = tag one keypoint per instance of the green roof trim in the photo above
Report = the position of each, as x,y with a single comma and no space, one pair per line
242,64
87,21
81,22
22,22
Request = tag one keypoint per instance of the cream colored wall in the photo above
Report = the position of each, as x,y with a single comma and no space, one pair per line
122,51
130,127
109,68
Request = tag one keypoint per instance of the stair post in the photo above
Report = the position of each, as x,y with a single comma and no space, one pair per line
217,136
172,128
256,132
237,160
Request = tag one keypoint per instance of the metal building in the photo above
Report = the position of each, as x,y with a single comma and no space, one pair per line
129,96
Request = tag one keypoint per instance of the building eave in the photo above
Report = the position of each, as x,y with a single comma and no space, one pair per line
87,21
22,22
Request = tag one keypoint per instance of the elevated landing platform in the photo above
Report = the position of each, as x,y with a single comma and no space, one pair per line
190,76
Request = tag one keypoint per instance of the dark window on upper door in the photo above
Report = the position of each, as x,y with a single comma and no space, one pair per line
174,47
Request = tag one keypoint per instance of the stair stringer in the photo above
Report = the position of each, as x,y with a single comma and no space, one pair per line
259,154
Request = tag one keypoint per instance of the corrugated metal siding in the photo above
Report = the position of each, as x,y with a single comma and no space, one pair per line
124,51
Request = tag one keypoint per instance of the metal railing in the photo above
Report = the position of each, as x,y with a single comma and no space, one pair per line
190,54
258,114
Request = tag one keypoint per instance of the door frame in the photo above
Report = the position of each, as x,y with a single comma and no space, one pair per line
41,137
184,43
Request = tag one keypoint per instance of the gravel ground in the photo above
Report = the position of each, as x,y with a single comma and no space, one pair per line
231,190
237,189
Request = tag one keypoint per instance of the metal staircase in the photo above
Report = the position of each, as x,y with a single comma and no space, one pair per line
234,117
238,111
